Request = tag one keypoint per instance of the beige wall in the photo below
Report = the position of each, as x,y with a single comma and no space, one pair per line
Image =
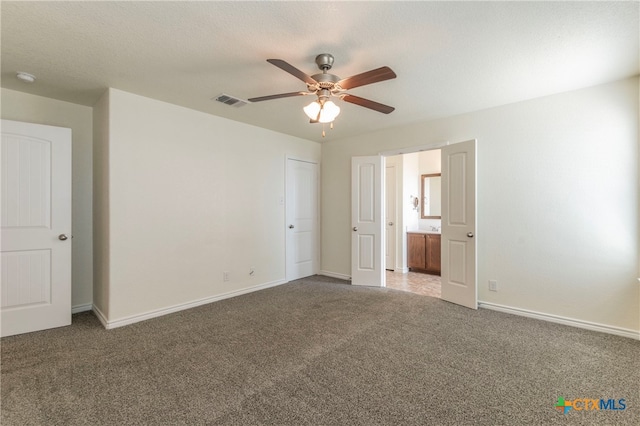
190,195
101,205
197,194
20,106
557,200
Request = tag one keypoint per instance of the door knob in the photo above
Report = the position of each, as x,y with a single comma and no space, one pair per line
390,223
62,237
291,226
355,228
470,234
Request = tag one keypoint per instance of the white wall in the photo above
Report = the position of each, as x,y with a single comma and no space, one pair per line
430,161
191,195
411,189
542,164
20,106
101,206
406,167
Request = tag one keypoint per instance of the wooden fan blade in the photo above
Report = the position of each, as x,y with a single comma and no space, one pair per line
385,109
369,77
285,66
281,95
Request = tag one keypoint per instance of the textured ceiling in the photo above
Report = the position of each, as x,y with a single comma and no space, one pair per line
450,57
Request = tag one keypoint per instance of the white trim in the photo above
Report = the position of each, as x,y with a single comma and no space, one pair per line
81,308
335,275
412,149
181,307
603,328
101,317
309,160
303,160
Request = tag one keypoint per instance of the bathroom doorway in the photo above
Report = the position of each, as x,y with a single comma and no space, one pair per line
415,282
406,214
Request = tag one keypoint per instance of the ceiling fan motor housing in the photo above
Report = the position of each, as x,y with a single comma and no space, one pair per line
326,81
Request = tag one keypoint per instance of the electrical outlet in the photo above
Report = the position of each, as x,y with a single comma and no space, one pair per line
252,271
225,276
493,285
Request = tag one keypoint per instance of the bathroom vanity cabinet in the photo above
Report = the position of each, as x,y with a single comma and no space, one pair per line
423,252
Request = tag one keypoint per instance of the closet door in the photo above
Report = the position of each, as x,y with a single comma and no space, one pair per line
36,227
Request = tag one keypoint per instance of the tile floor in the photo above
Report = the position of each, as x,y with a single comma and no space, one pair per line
414,282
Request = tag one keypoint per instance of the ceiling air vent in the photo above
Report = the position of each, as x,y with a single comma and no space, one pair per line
230,100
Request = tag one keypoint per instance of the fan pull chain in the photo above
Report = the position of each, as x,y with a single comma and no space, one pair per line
330,127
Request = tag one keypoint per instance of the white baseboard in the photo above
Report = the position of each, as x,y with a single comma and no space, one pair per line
181,307
618,331
101,317
336,275
81,308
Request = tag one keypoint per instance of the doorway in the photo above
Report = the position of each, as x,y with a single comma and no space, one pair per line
458,242
404,207
415,282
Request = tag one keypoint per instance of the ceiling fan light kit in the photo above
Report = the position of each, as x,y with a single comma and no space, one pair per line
325,86
322,112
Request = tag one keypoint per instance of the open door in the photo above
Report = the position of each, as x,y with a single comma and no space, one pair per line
35,284
367,221
459,224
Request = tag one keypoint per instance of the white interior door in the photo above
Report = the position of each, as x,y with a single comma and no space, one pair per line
459,224
36,227
302,251
367,221
390,217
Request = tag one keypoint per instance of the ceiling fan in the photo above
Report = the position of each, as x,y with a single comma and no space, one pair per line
325,86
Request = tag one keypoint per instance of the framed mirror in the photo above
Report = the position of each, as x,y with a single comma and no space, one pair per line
431,196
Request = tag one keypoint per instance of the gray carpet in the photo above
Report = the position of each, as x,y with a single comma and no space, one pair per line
318,352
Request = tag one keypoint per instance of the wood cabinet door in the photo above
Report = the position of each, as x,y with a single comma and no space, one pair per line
433,253
417,251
